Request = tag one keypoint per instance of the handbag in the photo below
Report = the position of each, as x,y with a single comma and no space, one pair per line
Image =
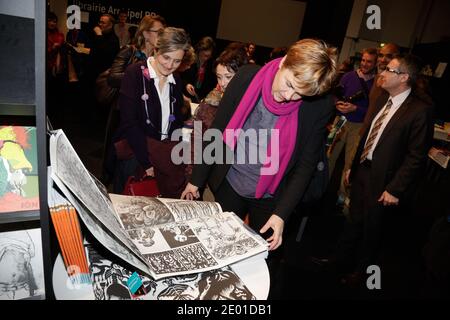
170,177
141,187
104,93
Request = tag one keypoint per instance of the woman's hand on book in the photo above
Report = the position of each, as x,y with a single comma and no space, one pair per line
277,225
190,192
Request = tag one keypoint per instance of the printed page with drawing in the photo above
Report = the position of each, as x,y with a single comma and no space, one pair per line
161,237
179,236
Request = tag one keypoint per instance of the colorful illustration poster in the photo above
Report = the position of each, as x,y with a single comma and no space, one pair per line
19,188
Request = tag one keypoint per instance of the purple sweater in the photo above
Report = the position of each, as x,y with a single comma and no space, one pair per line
351,85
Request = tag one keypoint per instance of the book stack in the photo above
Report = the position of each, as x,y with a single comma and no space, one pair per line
67,227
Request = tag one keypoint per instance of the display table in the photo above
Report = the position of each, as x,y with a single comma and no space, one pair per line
253,273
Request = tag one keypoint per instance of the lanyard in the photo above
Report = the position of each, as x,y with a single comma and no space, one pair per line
172,99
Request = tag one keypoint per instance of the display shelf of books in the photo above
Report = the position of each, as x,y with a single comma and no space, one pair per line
24,216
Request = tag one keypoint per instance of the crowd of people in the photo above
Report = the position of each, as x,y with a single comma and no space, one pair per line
154,74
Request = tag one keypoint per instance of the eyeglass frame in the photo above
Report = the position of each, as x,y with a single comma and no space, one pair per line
394,71
156,31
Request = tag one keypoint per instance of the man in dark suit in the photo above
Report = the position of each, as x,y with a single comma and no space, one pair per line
387,164
385,55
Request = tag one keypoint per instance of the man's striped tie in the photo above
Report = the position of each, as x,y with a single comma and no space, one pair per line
374,132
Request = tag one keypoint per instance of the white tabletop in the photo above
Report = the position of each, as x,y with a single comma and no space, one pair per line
63,287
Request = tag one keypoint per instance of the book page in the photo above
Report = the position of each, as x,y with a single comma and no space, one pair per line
184,210
143,217
182,237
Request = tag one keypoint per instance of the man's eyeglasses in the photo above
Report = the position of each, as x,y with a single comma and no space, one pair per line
393,71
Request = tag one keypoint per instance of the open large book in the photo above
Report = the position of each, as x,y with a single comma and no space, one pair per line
161,237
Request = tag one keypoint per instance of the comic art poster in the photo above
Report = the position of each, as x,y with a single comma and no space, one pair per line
19,188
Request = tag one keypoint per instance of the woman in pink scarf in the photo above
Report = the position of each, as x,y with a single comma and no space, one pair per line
285,103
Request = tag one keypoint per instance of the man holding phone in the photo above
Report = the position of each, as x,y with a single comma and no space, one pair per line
353,105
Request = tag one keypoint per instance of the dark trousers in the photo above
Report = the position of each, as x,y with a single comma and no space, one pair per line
259,210
362,236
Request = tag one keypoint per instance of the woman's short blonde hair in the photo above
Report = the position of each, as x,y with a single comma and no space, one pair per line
172,39
314,65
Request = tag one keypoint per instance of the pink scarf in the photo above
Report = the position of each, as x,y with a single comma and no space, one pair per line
286,124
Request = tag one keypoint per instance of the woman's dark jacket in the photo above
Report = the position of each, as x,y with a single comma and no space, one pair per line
314,114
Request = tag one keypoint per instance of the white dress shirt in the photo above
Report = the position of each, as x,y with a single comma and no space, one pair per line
164,97
396,103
